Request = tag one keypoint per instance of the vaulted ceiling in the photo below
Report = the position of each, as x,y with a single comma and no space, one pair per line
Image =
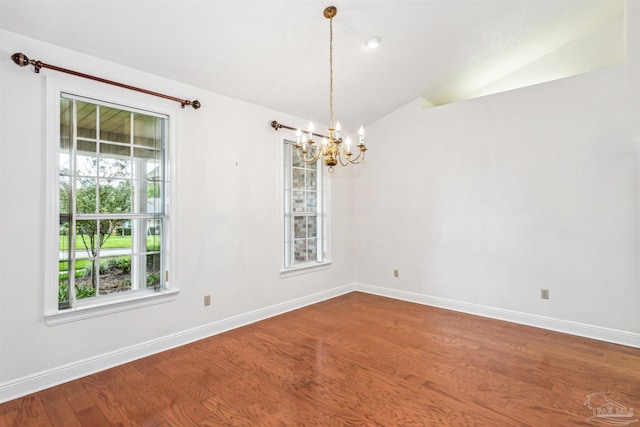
276,53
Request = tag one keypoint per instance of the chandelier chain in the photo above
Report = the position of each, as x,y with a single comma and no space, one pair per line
333,119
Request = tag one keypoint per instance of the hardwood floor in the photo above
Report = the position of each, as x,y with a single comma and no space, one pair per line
356,360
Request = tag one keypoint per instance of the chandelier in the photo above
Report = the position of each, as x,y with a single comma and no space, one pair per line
332,149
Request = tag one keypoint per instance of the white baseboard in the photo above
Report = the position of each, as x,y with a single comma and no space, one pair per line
588,331
45,379
42,380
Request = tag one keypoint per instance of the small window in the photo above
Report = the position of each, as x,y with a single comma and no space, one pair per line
305,212
112,205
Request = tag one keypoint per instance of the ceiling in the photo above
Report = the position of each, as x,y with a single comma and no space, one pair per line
276,53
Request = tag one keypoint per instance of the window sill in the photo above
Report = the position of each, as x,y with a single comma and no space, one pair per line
107,306
304,269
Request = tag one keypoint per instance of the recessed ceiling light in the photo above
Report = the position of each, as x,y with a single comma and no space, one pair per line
373,42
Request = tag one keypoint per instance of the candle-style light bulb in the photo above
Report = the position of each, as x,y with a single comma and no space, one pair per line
348,144
298,136
310,133
361,133
324,141
338,129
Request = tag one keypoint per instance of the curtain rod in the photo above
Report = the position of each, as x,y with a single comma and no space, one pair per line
275,125
21,59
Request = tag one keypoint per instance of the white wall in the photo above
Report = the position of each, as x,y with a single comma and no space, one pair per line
487,201
227,227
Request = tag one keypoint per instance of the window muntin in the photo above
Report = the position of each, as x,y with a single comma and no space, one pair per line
304,211
113,227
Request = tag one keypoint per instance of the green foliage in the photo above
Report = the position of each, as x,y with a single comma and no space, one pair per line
80,265
116,265
85,291
153,279
63,292
153,190
113,199
81,292
110,266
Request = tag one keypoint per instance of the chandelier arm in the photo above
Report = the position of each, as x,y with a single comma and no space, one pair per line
357,159
344,162
307,160
312,157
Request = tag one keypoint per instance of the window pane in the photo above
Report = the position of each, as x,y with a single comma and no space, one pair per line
115,161
299,227
86,120
311,202
298,202
154,198
312,249
65,163
154,170
63,264
87,240
66,122
154,234
142,153
87,246
299,250
86,280
298,179
116,237
312,226
147,130
295,160
87,159
66,119
314,166
311,180
153,271
86,195
115,196
115,275
64,190
147,167
115,125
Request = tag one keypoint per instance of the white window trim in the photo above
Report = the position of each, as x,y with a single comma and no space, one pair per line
112,303
313,266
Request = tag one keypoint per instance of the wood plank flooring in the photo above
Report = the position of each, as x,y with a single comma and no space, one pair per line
356,360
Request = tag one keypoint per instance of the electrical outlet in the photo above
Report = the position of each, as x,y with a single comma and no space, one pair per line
396,273
207,300
544,293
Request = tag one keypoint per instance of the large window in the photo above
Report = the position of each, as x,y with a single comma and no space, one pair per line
305,212
112,198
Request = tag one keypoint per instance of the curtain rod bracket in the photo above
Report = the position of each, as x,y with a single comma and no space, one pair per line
23,60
